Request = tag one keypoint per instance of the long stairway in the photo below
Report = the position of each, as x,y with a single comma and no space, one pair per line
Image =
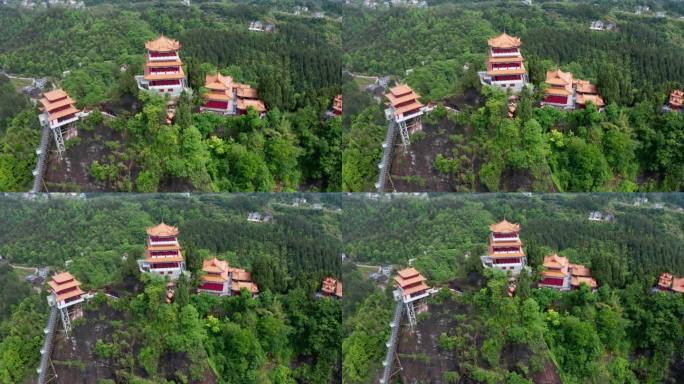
385,164
42,153
47,345
392,343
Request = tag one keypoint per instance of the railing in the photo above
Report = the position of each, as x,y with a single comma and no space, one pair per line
392,343
42,158
386,162
47,345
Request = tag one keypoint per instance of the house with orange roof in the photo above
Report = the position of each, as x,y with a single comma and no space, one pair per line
66,295
581,275
678,284
505,67
59,114
556,273
219,278
331,287
226,97
163,72
565,92
163,254
412,291
665,281
405,110
505,251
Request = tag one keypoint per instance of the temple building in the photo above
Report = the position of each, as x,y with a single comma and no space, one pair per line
331,287
221,279
505,250
667,282
405,110
581,274
412,291
59,114
676,99
163,68
565,92
505,67
66,295
560,93
226,97
163,255
337,105
556,273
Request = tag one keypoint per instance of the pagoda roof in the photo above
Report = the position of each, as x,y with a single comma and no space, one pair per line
580,270
70,294
596,99
163,44
55,94
165,76
514,71
62,113
504,40
57,287
337,103
258,105
414,288
554,273
577,280
505,243
62,277
493,255
246,92
504,226
401,89
506,59
555,261
241,275
676,98
218,82
163,230
665,280
164,259
216,266
50,105
557,91
158,64
251,287
558,77
163,247
678,284
217,96
584,86
332,286
408,272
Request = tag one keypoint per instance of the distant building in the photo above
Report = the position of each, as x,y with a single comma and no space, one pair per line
597,25
254,217
668,282
661,14
505,250
641,9
676,100
331,287
256,26
505,67
640,201
595,216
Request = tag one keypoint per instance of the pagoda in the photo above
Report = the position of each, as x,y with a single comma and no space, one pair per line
337,105
216,278
219,97
163,68
585,91
331,287
241,279
505,67
412,291
163,255
59,114
560,93
556,273
505,251
581,274
676,99
405,110
665,281
66,295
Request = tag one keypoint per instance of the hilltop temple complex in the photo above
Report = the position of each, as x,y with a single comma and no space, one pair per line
505,251
222,280
163,68
228,98
565,92
505,67
163,256
331,287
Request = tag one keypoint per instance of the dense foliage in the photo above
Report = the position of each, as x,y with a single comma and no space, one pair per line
623,333
284,336
632,146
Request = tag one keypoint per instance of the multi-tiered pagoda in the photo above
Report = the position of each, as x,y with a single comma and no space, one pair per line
331,287
66,295
405,110
163,255
676,99
228,98
59,114
412,291
556,273
566,92
163,68
505,250
505,67
337,105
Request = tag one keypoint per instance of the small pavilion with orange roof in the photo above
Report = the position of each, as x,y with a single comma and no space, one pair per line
412,291
580,275
556,273
337,105
560,92
66,295
676,99
405,110
331,287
